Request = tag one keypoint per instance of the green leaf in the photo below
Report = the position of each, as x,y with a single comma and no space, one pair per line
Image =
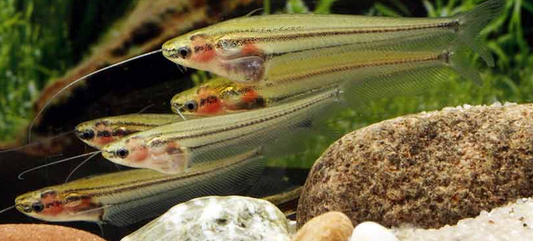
296,6
324,6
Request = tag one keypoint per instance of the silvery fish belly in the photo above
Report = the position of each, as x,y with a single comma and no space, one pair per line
246,49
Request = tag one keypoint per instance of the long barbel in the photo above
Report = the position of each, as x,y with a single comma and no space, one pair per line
173,148
247,49
126,197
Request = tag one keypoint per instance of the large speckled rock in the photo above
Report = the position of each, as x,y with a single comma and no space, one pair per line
44,232
428,169
217,218
331,226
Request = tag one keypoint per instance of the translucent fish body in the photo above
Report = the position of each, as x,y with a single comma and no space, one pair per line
174,148
248,49
99,132
126,197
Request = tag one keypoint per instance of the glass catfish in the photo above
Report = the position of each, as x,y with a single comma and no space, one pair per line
358,69
99,132
125,197
175,147
248,49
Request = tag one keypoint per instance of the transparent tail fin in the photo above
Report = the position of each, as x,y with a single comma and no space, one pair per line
459,60
413,78
471,23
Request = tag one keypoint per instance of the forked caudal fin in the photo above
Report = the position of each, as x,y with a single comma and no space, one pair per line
471,23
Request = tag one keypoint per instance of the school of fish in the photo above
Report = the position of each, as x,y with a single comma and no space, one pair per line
279,79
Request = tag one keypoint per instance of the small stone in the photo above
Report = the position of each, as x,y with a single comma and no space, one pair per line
512,222
217,218
44,232
428,170
331,226
371,231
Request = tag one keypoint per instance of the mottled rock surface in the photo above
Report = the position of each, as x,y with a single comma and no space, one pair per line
428,169
217,218
44,232
331,226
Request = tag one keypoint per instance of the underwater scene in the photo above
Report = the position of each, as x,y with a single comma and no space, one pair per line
266,120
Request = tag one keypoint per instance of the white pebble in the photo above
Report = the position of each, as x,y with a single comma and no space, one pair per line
512,222
371,231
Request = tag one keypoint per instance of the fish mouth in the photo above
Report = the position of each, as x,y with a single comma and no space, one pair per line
177,108
23,208
108,154
170,53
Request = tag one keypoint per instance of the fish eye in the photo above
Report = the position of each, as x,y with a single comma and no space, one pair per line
191,105
184,52
122,153
37,207
86,134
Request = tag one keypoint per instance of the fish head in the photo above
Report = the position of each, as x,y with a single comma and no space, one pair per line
154,153
98,133
31,203
50,204
86,132
203,101
194,50
130,152
185,101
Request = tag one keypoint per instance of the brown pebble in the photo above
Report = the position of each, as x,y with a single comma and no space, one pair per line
331,226
44,232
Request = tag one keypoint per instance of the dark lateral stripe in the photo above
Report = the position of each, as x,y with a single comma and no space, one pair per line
452,24
355,66
137,124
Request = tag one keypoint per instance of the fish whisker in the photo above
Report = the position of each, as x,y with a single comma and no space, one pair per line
7,209
56,162
81,164
39,113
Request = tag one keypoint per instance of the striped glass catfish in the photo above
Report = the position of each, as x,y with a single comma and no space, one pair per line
125,197
221,95
249,49
175,147
99,132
